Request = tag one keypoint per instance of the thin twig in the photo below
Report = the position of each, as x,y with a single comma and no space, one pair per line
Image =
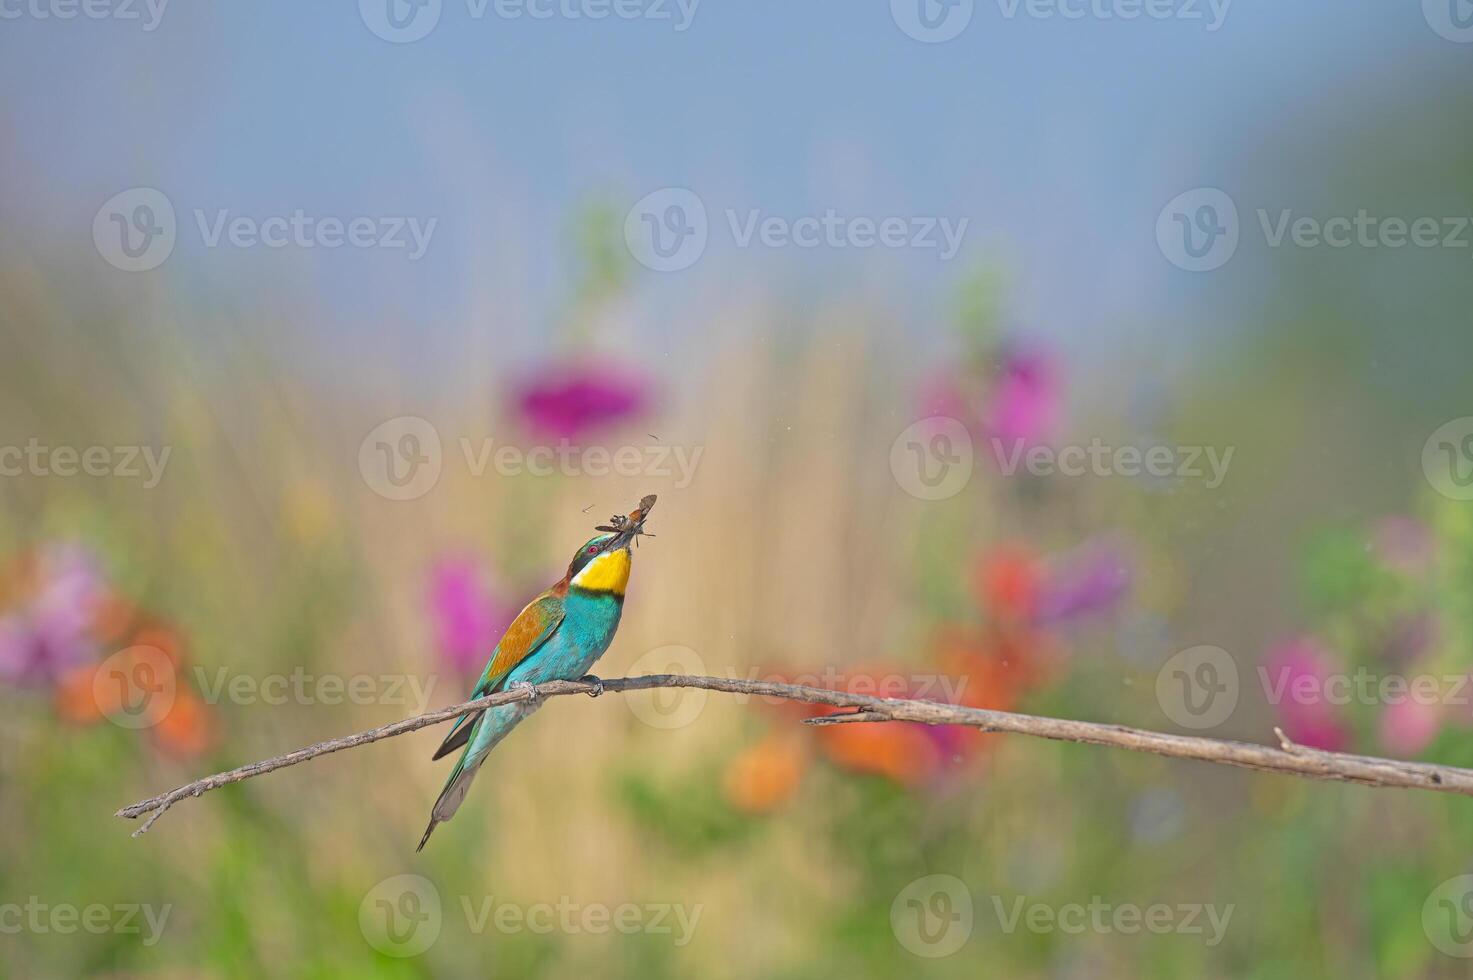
1290,759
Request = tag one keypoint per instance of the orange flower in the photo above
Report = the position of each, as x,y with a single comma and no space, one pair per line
75,700
1007,583
896,750
765,775
163,638
188,729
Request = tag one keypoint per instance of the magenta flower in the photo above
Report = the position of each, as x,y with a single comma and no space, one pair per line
50,630
569,401
1026,397
1296,682
1408,726
469,614
1090,581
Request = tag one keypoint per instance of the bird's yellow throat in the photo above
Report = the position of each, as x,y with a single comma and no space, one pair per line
609,572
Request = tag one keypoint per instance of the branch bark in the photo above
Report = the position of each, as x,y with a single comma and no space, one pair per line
1288,759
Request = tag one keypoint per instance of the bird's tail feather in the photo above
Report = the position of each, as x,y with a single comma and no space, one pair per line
497,722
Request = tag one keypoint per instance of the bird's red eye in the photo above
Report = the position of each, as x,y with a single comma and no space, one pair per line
592,549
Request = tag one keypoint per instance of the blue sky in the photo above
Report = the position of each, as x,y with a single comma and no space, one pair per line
1058,139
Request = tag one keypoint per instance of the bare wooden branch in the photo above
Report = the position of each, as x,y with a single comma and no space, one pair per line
1289,759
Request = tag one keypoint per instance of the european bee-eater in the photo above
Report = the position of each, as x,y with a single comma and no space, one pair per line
558,636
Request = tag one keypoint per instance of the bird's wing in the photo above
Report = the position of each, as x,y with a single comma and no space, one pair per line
533,627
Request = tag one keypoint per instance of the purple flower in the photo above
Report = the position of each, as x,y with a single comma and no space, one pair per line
50,629
1409,726
469,615
1298,672
569,401
1026,397
1089,581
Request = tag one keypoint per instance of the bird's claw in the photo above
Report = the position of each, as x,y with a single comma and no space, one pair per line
597,682
527,686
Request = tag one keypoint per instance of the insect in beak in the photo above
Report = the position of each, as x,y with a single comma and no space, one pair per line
631,528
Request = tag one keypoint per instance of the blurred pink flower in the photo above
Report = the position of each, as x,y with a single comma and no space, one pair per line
1091,580
468,613
1026,397
50,629
1404,543
1409,726
568,401
1297,672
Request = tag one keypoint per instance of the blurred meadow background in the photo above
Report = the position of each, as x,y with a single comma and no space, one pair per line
296,523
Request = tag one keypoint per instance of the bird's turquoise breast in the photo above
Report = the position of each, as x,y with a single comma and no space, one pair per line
588,627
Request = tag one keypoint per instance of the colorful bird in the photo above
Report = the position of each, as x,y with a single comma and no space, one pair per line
558,636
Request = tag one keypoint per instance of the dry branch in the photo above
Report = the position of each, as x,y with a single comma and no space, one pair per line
1289,759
